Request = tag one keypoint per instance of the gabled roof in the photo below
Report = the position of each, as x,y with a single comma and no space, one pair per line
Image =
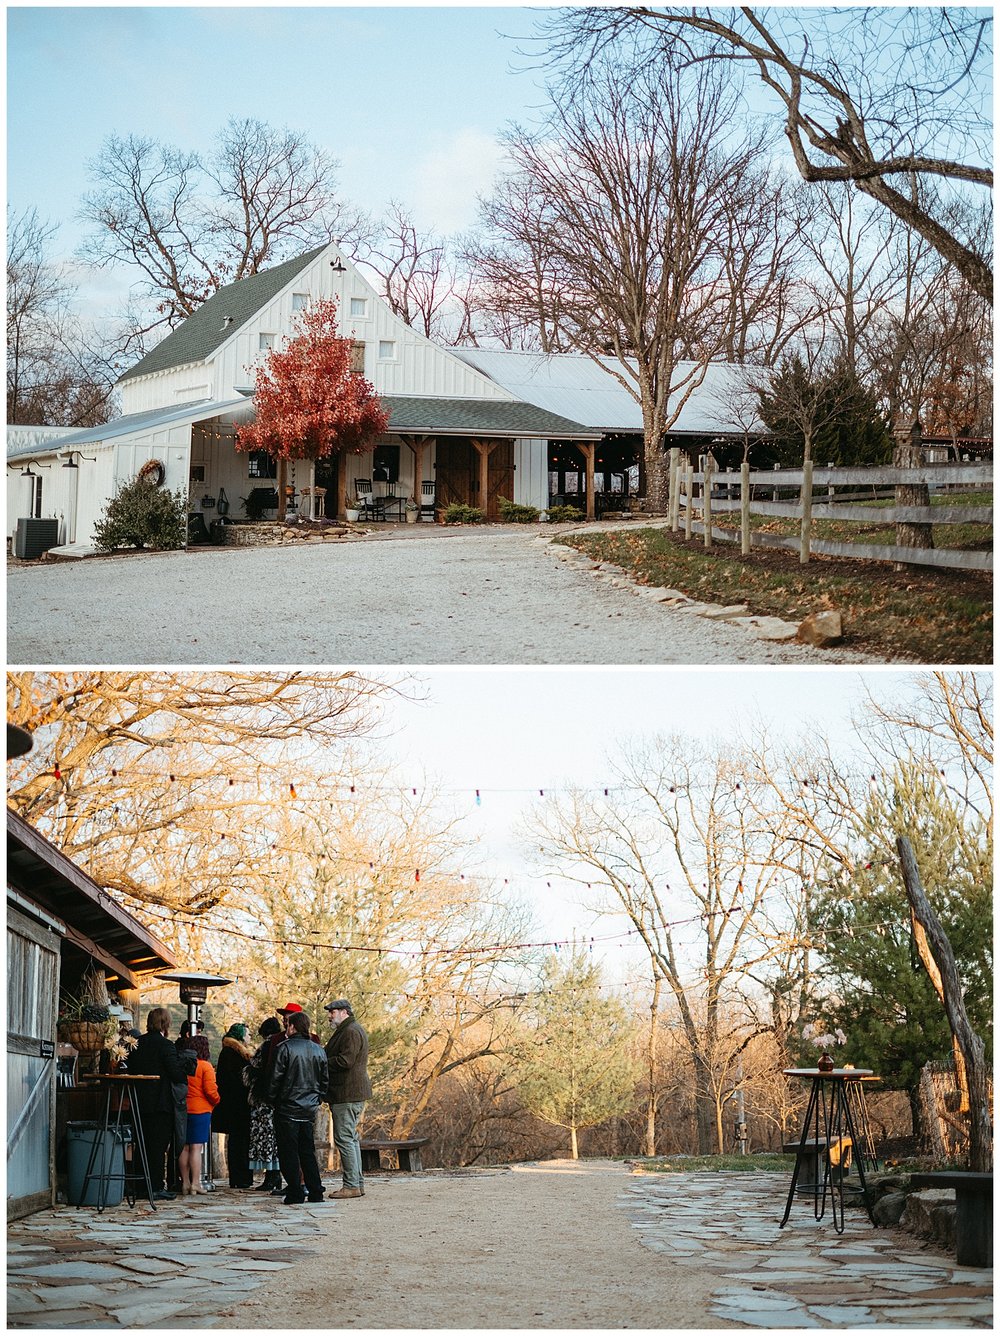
479,417
124,426
200,334
580,388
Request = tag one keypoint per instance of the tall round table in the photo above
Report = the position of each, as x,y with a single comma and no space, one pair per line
126,1085
835,1125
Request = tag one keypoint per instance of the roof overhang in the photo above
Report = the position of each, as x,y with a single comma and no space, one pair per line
91,918
511,419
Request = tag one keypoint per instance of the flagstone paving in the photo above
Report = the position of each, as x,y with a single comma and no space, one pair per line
136,1268
804,1275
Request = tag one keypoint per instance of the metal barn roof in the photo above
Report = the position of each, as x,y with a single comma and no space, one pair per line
577,387
125,426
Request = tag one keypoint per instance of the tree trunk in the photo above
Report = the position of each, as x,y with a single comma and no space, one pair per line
705,1108
657,475
573,1150
907,454
970,1057
651,1053
282,478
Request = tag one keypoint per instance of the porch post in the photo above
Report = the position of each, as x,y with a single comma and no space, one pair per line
341,512
484,449
588,451
418,445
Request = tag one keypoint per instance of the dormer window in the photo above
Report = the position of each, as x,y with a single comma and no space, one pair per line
300,300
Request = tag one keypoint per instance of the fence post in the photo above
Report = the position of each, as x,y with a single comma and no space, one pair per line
688,498
675,478
706,501
745,507
774,490
806,497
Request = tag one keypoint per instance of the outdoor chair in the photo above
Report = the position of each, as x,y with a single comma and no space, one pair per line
427,494
368,502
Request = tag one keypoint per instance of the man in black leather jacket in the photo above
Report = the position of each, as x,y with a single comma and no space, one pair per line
298,1082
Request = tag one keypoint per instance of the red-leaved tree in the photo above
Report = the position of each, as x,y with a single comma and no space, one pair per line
308,403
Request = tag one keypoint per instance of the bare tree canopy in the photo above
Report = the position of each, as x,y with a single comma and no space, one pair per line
631,229
185,227
875,96
56,375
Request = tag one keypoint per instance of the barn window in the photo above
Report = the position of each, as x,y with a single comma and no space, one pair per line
359,306
261,465
265,341
386,349
300,300
385,463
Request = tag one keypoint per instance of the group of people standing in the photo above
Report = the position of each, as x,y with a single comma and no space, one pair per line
264,1100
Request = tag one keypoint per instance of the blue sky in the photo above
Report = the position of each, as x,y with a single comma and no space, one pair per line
410,100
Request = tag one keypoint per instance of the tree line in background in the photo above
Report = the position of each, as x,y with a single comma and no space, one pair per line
648,220
247,820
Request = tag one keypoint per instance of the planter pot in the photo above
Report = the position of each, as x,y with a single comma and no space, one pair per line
353,516
411,516
85,1036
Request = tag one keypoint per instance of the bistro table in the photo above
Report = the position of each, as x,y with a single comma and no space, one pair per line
126,1085
834,1128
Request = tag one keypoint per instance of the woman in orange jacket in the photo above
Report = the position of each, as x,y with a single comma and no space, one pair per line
202,1097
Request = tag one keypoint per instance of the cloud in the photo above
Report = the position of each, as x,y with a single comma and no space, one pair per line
446,180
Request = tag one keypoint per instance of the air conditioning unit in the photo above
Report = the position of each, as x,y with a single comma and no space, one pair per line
33,537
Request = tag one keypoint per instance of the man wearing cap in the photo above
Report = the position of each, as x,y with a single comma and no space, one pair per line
348,1088
294,1091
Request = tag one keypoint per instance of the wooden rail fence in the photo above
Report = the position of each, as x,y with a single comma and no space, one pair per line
697,493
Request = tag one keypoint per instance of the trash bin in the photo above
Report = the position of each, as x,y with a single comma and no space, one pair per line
110,1157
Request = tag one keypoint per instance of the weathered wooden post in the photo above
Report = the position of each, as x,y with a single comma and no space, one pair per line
688,498
706,500
745,507
806,497
675,478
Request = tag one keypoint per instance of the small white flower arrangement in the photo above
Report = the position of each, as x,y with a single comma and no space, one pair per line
812,1034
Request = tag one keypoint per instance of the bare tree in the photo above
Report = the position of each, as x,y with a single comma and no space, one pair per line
186,227
412,271
617,230
710,889
869,96
57,374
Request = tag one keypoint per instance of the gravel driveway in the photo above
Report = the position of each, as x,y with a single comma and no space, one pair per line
411,596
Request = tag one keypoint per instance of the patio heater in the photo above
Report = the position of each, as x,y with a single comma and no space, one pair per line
194,993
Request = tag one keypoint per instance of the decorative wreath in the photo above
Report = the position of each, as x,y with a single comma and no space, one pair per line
153,471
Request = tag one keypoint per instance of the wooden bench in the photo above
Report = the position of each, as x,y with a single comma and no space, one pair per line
811,1154
973,1212
408,1153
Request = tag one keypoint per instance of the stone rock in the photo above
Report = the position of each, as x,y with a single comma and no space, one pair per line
931,1215
821,628
889,1207
721,614
773,628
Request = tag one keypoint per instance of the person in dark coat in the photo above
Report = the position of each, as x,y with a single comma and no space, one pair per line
294,1091
232,1114
347,1091
263,1146
155,1055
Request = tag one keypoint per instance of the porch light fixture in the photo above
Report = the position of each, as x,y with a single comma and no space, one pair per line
71,463
27,473
338,266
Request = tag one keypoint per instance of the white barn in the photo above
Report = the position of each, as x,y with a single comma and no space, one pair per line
466,424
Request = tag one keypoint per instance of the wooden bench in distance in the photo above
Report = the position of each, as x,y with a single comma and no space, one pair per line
973,1213
407,1151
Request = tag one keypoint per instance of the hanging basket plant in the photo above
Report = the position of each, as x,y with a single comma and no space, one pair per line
85,1017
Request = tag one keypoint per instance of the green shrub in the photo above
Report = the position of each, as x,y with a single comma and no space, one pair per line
559,513
143,515
512,513
459,514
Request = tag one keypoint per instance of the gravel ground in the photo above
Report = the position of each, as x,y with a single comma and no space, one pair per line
407,596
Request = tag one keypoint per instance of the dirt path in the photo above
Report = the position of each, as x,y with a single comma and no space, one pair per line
542,1245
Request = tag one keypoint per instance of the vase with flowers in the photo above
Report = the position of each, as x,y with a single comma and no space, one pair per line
814,1034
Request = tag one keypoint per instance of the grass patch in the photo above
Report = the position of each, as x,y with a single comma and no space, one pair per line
711,1164
931,616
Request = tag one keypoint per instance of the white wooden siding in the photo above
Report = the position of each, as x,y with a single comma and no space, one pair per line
531,475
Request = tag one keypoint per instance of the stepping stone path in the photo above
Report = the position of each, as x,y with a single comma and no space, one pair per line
71,1267
804,1275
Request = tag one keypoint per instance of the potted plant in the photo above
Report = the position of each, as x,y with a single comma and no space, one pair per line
84,1016
353,514
412,510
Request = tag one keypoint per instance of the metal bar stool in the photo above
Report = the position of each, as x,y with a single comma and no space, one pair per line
126,1085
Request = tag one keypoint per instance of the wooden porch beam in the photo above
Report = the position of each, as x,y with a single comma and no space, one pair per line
484,449
418,445
588,449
